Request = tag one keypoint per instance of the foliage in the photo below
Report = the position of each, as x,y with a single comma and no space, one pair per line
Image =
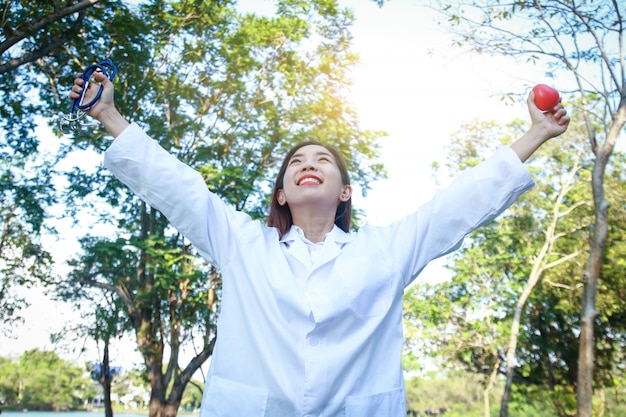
26,193
467,320
9,377
442,392
41,380
224,91
581,45
32,36
460,394
24,197
192,397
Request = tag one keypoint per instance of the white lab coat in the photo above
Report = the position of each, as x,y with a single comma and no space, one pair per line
302,334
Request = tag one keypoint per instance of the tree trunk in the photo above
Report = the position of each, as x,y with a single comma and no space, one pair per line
490,384
539,266
105,380
586,354
591,274
158,409
535,275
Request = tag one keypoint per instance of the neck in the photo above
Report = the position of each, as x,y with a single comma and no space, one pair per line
316,237
316,234
314,223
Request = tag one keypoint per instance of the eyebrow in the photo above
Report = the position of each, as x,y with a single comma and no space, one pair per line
318,153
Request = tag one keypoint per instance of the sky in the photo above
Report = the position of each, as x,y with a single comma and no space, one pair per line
409,83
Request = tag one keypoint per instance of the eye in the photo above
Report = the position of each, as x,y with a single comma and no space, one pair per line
325,159
294,161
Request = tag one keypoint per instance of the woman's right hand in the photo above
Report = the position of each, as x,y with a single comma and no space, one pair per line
104,103
104,109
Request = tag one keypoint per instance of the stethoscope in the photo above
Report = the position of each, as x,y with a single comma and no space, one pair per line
70,122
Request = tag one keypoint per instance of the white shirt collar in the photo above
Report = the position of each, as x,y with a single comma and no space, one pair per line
336,234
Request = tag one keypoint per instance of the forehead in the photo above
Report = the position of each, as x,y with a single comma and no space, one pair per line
308,150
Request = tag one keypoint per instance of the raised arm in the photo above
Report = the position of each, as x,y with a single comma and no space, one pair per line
545,126
161,180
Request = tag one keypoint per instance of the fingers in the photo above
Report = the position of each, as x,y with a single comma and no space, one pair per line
79,84
559,120
77,88
102,79
560,115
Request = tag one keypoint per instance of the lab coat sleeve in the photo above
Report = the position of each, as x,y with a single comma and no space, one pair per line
176,190
473,199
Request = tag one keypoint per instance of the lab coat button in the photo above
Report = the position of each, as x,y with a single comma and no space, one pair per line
314,341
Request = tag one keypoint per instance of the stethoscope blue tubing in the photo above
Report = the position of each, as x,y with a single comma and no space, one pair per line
107,68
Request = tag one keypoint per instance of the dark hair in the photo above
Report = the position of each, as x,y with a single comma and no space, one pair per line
280,216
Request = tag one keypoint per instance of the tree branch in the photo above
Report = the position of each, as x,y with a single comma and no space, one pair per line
36,26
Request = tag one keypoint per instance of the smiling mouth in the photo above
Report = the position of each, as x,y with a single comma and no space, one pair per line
309,181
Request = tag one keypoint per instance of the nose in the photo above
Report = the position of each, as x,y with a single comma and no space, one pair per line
309,166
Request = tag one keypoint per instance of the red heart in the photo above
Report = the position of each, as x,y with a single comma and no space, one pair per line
546,97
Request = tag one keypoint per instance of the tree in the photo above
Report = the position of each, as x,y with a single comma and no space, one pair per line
38,41
9,381
462,319
24,198
470,319
109,323
192,397
227,93
32,34
558,225
583,41
38,31
41,380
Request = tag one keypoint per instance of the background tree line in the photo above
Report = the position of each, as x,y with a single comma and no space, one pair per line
42,381
535,297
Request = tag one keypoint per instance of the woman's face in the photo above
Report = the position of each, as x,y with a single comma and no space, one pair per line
312,178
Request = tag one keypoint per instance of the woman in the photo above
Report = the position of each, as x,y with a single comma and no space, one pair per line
311,313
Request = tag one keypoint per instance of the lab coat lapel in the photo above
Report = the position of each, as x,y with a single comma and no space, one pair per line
329,251
335,240
296,247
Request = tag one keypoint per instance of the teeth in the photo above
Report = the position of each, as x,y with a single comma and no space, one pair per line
309,180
